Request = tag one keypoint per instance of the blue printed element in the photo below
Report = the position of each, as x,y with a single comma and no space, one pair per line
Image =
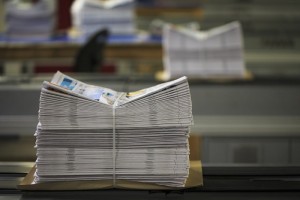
109,94
93,93
68,83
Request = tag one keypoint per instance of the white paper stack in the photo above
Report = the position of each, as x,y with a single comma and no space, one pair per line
89,16
88,132
204,54
29,20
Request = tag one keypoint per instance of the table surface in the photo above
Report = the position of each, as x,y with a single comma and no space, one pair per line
117,194
64,48
230,182
64,39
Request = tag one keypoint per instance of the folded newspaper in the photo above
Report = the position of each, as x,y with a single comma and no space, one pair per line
89,16
29,20
216,53
92,133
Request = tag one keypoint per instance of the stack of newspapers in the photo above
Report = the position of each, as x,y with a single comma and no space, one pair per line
87,132
216,53
26,20
90,16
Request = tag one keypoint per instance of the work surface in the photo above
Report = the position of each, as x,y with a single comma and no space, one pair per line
115,194
219,183
141,46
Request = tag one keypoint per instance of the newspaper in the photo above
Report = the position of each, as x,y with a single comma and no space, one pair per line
89,16
101,94
89,132
28,20
216,53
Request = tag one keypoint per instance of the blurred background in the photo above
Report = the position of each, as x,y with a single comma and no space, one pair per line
251,120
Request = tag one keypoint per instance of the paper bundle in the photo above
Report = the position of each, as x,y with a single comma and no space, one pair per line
89,16
29,20
87,132
217,53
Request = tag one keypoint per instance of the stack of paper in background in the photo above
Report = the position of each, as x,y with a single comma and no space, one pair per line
216,53
87,132
89,16
29,20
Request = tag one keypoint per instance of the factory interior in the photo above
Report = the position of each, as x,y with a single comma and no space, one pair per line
241,59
